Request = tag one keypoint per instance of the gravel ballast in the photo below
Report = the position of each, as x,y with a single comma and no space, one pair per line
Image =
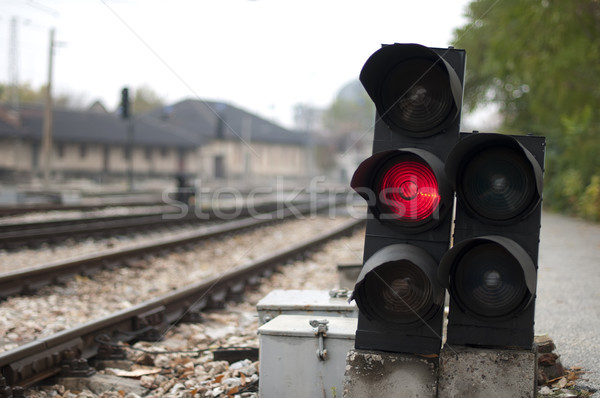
567,309
189,375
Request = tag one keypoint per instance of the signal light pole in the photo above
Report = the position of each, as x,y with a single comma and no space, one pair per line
126,114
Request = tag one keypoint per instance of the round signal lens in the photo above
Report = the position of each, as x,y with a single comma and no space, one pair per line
498,183
416,96
489,282
399,292
408,191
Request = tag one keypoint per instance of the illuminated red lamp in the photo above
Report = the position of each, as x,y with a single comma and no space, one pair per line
409,190
406,186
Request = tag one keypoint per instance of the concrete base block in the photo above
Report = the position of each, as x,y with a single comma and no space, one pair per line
477,372
383,374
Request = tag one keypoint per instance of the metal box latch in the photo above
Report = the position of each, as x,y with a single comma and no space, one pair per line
321,332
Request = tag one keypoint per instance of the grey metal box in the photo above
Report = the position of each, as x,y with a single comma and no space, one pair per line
308,302
289,360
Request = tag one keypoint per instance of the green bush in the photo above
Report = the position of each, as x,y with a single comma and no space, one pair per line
562,192
589,202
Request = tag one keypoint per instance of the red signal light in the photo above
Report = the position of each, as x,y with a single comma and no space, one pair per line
406,187
408,192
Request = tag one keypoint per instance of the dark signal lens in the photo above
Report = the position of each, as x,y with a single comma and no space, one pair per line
399,292
408,191
416,97
489,282
498,184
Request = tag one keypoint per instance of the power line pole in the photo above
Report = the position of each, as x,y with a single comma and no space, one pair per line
47,131
13,60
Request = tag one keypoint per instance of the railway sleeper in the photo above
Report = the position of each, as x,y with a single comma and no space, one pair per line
90,269
193,311
43,364
236,291
75,366
108,350
7,392
150,325
217,299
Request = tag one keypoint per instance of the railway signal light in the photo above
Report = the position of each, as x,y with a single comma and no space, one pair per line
125,111
417,93
491,271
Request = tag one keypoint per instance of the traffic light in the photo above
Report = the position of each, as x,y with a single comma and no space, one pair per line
417,93
125,103
491,271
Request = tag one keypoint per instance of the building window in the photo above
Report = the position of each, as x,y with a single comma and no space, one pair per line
82,150
127,152
105,158
148,153
164,152
60,150
219,166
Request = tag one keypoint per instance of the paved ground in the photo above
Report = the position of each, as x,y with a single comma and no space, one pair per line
568,300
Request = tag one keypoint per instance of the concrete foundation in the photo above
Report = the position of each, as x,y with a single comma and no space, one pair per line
383,374
486,373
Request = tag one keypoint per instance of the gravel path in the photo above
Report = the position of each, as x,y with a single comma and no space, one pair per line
568,299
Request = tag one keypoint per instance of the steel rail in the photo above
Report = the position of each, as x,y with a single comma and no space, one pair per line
19,234
13,210
43,358
29,280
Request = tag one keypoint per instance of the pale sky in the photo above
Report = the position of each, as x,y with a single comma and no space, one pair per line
263,56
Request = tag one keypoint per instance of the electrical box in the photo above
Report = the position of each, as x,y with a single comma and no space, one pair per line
304,355
305,302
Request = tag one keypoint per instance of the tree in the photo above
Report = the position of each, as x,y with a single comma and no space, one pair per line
146,99
31,96
540,62
351,112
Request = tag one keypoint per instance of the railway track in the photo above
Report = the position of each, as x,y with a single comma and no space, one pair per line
29,280
67,351
15,235
13,210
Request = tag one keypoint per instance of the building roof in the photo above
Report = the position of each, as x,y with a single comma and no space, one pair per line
189,123
216,120
10,125
103,128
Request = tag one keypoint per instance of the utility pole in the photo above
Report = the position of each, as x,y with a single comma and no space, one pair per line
13,60
247,134
47,131
130,144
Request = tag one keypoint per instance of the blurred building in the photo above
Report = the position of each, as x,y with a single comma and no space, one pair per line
236,144
195,138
